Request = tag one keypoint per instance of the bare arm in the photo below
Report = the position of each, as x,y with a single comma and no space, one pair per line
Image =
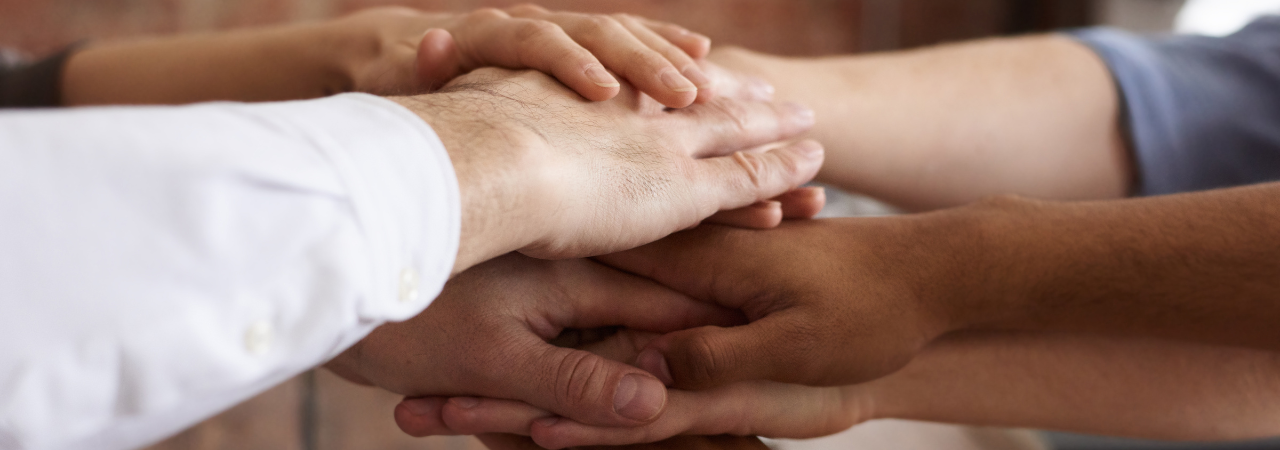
1143,388
948,125
392,51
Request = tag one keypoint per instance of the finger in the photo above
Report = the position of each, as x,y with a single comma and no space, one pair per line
624,53
759,215
422,416
576,384
737,85
775,347
743,178
438,60
676,56
490,37
695,45
608,297
764,408
725,125
475,415
802,203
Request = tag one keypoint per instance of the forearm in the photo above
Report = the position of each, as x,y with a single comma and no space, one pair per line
948,125
277,63
1125,387
1199,267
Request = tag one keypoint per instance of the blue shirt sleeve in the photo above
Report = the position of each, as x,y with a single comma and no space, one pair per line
1201,112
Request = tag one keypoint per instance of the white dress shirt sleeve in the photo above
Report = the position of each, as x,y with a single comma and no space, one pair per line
160,264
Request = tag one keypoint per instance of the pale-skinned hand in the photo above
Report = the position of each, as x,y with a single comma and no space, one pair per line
412,51
544,172
487,333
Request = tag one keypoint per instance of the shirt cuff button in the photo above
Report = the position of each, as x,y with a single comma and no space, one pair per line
257,339
408,285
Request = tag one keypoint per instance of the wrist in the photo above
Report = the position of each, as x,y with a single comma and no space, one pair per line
992,247
497,172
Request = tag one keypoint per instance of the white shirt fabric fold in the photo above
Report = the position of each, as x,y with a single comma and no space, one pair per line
160,264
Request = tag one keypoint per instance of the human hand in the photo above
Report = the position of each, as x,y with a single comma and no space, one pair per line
409,51
722,442
543,172
487,333
830,302
746,408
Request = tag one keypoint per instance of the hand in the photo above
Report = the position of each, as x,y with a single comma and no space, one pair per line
413,51
831,302
746,408
725,442
487,333
545,173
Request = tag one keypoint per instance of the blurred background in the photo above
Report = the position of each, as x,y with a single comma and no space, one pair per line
318,411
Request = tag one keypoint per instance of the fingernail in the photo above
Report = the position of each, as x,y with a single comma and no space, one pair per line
676,82
465,402
809,149
601,77
418,406
654,363
801,115
699,79
760,89
639,397
547,421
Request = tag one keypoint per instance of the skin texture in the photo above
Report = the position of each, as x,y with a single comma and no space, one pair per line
1139,296
487,333
949,125
1147,388
1160,267
531,181
392,51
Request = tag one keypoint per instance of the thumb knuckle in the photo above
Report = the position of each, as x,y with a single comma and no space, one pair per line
707,360
580,379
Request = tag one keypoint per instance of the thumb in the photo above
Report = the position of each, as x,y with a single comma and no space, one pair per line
708,357
744,178
438,59
585,387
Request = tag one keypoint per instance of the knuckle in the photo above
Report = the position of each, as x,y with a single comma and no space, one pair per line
536,29
707,360
734,114
624,18
486,14
527,8
753,165
579,378
602,22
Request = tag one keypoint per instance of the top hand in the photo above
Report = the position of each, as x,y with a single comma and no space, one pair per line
543,172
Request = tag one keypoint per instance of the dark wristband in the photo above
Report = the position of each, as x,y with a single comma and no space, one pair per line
34,85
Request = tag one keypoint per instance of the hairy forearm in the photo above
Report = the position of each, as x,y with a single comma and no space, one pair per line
278,63
944,126
1143,388
1197,267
